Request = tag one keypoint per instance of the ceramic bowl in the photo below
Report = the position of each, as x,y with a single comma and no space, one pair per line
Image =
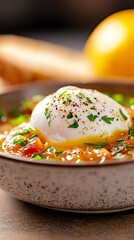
69,187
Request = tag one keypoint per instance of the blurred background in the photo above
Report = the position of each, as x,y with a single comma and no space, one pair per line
65,22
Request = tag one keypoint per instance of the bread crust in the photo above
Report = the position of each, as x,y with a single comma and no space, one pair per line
23,60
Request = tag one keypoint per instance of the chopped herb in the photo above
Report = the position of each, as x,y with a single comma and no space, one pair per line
51,149
67,98
76,115
107,119
128,147
131,132
21,142
80,95
25,131
74,125
33,136
122,114
119,145
37,156
88,100
97,145
70,115
101,144
62,94
92,117
47,115
58,153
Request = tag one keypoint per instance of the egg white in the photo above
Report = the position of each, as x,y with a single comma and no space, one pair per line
73,116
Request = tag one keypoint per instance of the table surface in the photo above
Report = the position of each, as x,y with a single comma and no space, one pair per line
24,221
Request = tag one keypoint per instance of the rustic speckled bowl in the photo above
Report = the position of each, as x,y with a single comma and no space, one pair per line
82,188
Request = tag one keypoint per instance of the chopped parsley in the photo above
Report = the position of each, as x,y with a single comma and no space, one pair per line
107,119
131,132
67,98
24,132
51,149
37,156
58,153
62,94
21,142
122,114
47,115
128,147
88,100
92,117
33,136
97,145
74,125
119,145
70,115
80,95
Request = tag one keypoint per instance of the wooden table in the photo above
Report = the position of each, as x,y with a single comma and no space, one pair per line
23,221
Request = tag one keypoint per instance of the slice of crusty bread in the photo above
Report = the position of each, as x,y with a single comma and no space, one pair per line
24,59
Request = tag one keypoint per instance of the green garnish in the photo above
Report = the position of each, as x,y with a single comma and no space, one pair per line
131,132
74,125
25,131
21,142
92,117
128,147
62,94
67,98
97,145
107,119
51,149
37,156
80,95
70,115
88,100
47,115
58,153
122,114
33,136
118,146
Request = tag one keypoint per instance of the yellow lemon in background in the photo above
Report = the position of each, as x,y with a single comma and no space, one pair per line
110,47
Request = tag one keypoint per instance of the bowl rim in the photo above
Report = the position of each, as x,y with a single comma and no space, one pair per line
52,163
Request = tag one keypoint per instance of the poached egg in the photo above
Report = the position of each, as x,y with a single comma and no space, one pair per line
73,116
